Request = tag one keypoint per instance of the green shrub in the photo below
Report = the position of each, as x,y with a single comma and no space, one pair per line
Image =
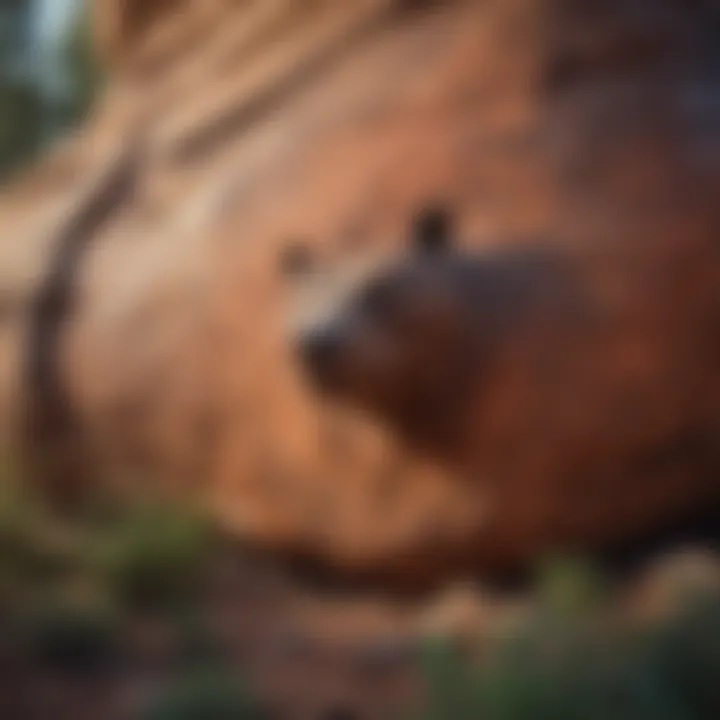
196,642
154,556
685,655
584,668
32,550
206,694
21,122
69,636
569,585
452,682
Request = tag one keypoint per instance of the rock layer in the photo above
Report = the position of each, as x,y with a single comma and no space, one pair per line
595,124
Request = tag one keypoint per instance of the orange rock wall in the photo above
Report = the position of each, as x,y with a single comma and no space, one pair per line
259,121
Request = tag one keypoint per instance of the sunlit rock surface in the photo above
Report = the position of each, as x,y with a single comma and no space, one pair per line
229,127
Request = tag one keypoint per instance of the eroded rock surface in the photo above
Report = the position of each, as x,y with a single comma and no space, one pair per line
594,124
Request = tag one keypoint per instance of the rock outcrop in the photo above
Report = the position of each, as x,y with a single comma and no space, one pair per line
254,122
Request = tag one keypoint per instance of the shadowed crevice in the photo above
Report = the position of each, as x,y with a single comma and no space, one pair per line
52,437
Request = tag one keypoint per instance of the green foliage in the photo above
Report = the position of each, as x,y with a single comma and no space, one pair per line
154,556
204,694
685,655
585,670
21,121
31,553
70,636
569,586
452,682
197,644
150,555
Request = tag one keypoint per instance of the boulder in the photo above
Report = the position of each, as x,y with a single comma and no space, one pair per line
229,128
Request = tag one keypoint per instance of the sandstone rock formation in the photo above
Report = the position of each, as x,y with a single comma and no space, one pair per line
229,127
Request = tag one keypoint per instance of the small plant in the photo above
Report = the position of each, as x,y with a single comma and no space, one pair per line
33,551
569,585
154,556
205,694
685,655
21,122
196,643
69,636
451,682
585,669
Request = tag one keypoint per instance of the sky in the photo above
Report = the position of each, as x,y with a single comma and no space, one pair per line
53,16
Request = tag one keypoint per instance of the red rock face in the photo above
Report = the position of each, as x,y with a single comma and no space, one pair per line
262,122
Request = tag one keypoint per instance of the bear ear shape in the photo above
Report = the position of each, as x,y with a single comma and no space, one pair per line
431,230
296,259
